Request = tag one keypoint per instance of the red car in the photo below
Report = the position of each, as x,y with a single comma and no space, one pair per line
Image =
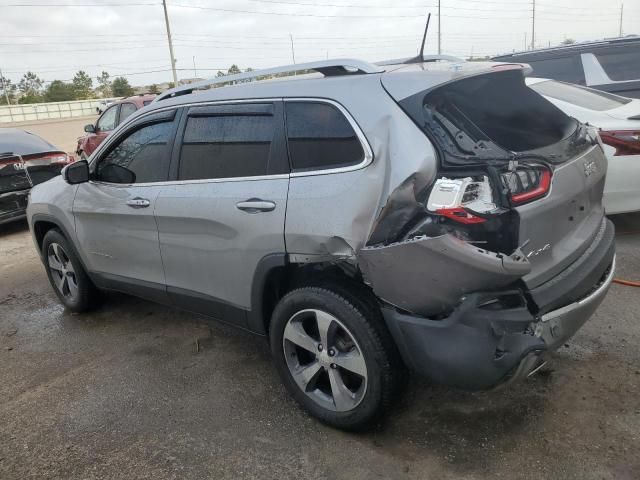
108,121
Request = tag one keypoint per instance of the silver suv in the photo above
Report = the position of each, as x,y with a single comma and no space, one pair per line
438,215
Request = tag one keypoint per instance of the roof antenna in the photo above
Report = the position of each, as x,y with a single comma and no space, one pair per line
420,57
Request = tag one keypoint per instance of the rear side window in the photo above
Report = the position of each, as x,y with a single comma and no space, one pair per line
145,153
582,97
226,146
320,137
566,69
620,64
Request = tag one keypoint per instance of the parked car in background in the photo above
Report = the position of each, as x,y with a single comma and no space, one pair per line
103,105
25,160
377,218
113,116
618,119
609,65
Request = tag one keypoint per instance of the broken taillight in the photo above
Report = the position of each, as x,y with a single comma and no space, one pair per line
460,215
527,183
626,142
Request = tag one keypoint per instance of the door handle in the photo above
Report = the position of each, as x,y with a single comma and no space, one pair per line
256,205
138,202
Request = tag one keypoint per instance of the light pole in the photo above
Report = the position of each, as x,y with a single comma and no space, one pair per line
173,58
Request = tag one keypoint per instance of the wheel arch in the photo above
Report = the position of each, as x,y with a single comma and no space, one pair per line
42,224
275,276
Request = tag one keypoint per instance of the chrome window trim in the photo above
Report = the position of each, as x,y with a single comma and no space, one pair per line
366,148
367,160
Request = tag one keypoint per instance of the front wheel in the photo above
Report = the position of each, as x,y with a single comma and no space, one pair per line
335,355
66,274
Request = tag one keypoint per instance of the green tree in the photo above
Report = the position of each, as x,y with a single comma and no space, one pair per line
233,69
82,85
154,89
104,84
568,41
59,91
7,89
30,87
121,88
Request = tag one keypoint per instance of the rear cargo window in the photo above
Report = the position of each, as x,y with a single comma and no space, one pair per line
566,69
580,96
498,108
621,65
320,137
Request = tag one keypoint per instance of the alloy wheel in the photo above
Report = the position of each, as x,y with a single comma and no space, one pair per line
62,271
325,360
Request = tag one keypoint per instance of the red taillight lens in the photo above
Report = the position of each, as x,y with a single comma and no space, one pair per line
48,159
626,142
528,183
460,215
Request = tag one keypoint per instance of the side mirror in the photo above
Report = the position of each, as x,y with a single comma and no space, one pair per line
76,172
90,128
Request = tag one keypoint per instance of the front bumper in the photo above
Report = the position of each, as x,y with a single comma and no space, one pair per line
494,336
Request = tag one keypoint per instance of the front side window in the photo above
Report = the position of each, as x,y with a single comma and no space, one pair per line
567,69
126,110
108,119
580,96
226,146
320,137
141,157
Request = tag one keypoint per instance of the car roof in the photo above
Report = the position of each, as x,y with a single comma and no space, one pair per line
22,142
333,86
138,100
631,40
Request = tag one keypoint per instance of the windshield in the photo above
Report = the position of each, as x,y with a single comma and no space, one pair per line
580,96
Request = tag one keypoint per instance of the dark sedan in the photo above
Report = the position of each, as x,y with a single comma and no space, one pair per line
25,160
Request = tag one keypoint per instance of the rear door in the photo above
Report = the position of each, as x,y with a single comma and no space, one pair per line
114,211
226,210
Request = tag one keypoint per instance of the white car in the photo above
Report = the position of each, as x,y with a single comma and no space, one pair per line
618,119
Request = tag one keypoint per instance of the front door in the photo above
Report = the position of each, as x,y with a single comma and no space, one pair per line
104,126
226,211
114,211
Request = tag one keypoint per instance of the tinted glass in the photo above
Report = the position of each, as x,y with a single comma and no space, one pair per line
621,64
567,69
582,97
145,152
126,109
226,146
320,137
108,119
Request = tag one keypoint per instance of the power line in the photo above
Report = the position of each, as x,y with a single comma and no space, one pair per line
283,14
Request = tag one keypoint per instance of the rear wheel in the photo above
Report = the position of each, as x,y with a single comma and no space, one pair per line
334,356
66,274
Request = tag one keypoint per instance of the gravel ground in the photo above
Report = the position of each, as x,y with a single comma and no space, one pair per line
138,390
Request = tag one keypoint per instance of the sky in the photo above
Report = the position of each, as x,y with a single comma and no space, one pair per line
56,38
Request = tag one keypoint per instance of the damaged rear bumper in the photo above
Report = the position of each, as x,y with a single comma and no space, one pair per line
489,338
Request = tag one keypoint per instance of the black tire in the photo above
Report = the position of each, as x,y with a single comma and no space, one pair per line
87,296
362,318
